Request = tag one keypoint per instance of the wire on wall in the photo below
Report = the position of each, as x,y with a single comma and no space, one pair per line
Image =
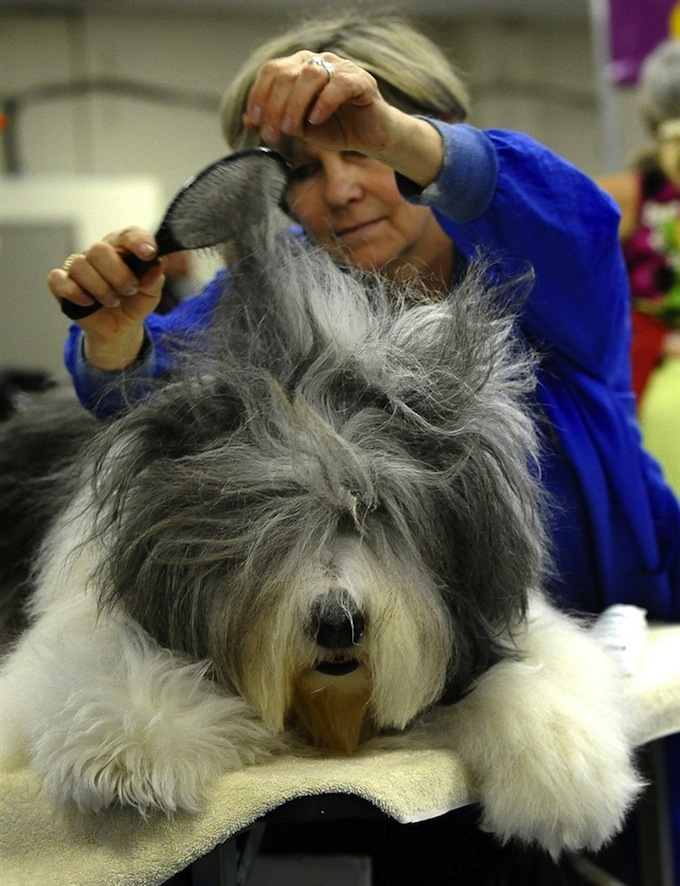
12,106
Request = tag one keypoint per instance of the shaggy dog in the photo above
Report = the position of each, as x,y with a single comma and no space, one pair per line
327,525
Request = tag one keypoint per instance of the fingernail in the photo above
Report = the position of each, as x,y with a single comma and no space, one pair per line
287,126
270,134
130,289
255,114
147,250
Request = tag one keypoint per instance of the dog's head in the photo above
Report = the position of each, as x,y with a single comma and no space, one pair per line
335,502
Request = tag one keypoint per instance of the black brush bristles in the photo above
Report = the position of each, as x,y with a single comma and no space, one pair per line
231,204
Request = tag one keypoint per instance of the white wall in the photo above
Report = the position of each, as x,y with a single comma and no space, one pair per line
44,217
527,71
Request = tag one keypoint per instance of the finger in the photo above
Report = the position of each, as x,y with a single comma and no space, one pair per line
281,95
134,240
81,283
102,273
348,86
134,307
311,87
149,295
64,288
268,97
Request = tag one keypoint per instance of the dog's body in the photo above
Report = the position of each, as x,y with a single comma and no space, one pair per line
326,525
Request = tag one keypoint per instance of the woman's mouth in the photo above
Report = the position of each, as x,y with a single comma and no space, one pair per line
360,231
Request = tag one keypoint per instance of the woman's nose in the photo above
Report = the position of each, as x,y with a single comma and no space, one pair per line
341,181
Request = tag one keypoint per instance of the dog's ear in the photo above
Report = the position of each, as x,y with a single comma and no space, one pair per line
183,415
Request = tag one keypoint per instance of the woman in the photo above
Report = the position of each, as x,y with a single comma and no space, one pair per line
615,525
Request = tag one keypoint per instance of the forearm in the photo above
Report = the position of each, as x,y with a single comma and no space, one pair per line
545,214
107,392
465,183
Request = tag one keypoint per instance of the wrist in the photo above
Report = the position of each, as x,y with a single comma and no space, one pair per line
114,355
416,149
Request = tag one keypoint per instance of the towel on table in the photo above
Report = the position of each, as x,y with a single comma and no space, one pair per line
118,848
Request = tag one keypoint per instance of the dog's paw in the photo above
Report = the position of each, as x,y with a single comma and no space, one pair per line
552,767
548,741
566,791
154,749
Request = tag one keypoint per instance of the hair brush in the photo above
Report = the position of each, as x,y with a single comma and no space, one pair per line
229,203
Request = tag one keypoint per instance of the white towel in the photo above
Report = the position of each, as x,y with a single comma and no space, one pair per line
118,848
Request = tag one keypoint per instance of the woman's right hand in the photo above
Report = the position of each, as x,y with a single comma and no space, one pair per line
114,335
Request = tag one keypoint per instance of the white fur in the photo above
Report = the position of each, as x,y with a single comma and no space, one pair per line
103,713
546,739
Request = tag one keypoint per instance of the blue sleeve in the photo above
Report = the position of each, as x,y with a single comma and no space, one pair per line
526,206
107,393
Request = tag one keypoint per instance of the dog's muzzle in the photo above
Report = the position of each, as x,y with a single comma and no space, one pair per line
337,625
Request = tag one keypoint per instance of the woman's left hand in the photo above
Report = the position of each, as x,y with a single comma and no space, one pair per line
323,99
335,105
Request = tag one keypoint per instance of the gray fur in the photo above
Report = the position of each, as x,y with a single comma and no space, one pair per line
325,402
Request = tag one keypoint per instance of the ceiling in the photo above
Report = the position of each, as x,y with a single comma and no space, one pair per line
536,9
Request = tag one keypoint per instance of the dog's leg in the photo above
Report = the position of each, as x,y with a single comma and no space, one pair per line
548,741
104,715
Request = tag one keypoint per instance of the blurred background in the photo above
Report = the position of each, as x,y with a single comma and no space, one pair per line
109,105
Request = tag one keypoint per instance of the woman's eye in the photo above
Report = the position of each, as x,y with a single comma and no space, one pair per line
303,172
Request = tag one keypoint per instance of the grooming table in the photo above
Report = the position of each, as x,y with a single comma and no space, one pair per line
118,848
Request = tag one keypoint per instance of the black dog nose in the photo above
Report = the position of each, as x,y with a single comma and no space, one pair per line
336,622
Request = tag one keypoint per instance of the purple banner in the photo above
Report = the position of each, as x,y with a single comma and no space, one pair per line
636,27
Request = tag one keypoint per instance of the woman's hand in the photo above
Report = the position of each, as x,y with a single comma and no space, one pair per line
114,335
335,105
323,99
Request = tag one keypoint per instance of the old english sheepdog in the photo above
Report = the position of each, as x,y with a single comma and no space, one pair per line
327,525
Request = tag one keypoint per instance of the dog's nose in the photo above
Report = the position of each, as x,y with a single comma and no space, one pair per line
336,621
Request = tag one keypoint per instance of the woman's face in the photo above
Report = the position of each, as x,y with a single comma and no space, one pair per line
350,204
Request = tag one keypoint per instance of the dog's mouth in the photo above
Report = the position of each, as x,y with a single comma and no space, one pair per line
338,667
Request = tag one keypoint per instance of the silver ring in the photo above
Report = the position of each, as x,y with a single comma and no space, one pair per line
322,63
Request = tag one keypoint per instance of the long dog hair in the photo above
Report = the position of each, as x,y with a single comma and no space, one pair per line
328,521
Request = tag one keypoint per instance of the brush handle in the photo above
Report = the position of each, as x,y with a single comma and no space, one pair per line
138,266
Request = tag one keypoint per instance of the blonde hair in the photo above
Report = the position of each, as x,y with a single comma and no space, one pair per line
413,74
